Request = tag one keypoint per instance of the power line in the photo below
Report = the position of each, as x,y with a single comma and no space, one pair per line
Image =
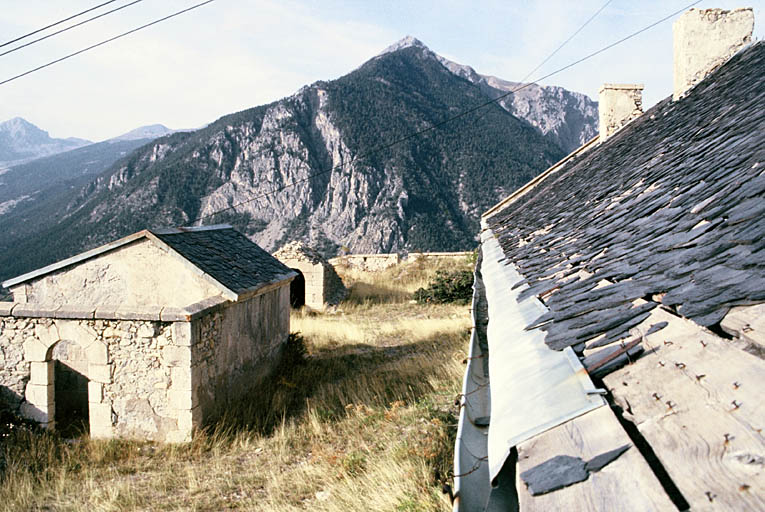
564,43
106,41
56,23
448,120
69,28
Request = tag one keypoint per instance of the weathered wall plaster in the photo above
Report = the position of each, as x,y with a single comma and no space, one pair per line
703,40
136,274
618,104
235,349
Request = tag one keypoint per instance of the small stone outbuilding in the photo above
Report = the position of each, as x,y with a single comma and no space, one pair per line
317,284
146,337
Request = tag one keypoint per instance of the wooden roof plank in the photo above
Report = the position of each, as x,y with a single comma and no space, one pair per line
747,323
625,484
697,400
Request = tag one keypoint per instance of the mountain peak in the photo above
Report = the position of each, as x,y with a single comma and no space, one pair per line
406,42
152,131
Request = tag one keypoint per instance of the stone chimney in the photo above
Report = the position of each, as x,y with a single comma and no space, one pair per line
618,104
704,40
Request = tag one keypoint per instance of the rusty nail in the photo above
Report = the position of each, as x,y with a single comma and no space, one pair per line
736,385
703,344
744,487
711,497
728,438
656,396
680,365
668,342
699,377
736,404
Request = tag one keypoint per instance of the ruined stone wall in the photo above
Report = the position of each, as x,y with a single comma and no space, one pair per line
313,273
137,274
235,349
367,262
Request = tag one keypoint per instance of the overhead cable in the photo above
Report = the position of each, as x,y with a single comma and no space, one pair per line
68,28
56,23
38,68
439,124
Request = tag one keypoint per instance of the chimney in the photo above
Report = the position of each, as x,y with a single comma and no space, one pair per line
618,104
704,40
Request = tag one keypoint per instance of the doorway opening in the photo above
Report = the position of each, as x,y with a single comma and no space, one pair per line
70,388
297,290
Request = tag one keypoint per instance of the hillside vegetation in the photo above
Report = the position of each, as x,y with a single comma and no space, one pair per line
362,420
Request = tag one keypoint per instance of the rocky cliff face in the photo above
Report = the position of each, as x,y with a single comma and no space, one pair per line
334,165
568,118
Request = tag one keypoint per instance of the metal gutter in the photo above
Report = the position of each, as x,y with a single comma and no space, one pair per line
471,470
533,388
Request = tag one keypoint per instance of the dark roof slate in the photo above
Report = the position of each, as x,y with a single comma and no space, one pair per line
672,204
227,256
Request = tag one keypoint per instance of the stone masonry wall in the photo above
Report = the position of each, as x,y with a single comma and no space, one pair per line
141,379
235,349
138,373
14,370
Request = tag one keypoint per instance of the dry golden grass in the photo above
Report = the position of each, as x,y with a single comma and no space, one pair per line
365,423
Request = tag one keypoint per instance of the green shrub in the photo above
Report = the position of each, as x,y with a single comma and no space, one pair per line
448,286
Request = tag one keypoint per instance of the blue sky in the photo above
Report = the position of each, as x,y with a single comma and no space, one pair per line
235,54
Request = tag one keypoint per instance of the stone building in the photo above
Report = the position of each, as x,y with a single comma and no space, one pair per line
146,337
317,283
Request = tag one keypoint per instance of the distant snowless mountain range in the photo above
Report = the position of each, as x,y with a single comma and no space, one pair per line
308,167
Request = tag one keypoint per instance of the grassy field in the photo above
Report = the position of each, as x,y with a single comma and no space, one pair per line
365,422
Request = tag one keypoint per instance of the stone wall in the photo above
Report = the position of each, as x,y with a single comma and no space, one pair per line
157,377
322,284
137,274
141,355
367,262
235,349
14,370
129,366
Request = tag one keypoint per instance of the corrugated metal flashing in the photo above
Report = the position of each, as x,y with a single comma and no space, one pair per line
533,388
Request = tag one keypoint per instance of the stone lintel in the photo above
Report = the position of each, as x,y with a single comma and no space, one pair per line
203,307
169,314
128,313
30,310
6,308
73,311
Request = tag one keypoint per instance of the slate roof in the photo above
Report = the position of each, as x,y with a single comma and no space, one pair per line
611,247
230,259
227,256
672,208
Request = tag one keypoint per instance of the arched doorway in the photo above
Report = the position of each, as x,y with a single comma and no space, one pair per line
70,385
297,290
